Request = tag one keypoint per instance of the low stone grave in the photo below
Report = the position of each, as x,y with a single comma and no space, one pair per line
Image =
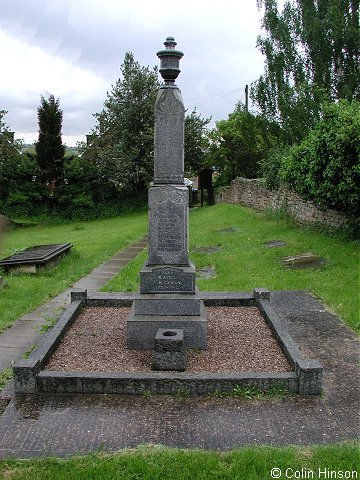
304,260
32,374
35,259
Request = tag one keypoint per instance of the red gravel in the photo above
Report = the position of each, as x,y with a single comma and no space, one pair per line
239,341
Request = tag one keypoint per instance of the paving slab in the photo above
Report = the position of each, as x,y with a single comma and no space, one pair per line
70,424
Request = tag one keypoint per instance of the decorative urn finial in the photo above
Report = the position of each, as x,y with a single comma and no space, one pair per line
169,61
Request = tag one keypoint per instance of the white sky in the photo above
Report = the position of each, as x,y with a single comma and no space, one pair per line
73,49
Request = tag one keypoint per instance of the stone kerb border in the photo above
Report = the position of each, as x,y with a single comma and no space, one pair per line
30,376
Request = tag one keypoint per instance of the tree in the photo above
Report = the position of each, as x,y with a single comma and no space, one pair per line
49,149
123,143
311,54
240,143
196,143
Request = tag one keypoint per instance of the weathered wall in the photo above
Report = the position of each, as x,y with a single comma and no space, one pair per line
252,193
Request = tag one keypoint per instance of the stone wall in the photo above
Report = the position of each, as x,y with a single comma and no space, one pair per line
253,193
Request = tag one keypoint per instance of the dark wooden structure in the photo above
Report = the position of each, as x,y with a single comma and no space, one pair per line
205,183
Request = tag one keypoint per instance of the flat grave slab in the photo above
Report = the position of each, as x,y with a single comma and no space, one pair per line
304,260
34,259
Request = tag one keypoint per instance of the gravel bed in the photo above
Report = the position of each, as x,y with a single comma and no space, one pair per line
239,341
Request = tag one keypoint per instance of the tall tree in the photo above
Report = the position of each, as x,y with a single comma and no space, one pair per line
240,143
311,54
123,142
196,143
49,148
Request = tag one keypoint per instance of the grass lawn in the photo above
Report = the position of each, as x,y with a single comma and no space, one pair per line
150,463
244,263
93,242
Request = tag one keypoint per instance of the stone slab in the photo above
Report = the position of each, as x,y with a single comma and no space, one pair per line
168,225
167,279
142,329
165,304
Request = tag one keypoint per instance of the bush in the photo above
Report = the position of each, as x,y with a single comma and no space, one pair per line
270,166
325,167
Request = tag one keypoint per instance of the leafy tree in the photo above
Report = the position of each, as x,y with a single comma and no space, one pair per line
196,143
240,143
311,54
123,143
325,166
49,149
8,147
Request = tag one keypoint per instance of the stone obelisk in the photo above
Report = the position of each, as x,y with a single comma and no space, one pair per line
167,296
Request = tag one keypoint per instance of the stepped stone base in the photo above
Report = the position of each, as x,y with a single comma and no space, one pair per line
142,329
165,304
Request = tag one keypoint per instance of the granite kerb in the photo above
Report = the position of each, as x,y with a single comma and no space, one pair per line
30,376
26,369
308,371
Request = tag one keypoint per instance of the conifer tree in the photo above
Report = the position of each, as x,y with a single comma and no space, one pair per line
49,148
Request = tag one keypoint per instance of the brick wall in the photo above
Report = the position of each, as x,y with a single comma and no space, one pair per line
252,193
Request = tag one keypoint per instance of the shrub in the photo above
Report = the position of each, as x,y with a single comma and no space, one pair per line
325,167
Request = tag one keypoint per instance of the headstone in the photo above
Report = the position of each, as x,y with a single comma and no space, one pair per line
167,296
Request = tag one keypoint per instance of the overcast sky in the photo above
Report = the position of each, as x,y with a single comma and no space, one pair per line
73,49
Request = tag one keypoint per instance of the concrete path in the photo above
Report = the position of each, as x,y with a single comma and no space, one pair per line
68,424
25,332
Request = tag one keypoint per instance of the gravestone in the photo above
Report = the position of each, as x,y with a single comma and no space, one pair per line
167,297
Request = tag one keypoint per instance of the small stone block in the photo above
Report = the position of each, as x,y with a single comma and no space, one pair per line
169,350
79,294
261,294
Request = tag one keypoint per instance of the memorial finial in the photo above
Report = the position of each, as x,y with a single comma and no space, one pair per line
169,61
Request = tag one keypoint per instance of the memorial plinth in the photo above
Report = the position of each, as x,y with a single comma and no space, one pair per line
167,296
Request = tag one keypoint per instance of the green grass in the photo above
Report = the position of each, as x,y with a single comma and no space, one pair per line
244,263
93,242
157,462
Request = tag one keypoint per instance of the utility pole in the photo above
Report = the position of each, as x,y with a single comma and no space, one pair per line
246,98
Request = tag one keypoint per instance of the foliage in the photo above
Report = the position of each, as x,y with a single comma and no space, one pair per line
49,148
18,192
122,142
270,166
196,143
311,54
325,166
239,144
121,146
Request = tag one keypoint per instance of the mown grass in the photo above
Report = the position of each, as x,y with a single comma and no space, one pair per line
93,242
244,263
157,462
